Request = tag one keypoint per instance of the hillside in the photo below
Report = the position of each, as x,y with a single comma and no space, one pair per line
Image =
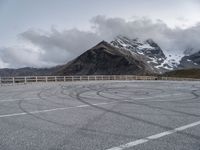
27,71
184,73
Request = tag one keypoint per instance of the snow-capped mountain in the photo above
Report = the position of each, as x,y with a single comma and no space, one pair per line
151,52
122,56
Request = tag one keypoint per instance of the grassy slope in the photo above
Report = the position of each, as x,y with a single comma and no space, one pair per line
185,73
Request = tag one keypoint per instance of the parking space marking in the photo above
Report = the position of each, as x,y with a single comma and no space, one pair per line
153,137
13,100
56,109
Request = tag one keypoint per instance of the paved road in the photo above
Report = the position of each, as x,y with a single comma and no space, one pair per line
111,115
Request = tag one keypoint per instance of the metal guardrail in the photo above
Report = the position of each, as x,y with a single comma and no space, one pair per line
36,79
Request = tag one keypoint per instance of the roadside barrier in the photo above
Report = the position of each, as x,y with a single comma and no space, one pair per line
36,79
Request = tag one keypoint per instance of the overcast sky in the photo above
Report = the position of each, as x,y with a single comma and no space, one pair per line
43,33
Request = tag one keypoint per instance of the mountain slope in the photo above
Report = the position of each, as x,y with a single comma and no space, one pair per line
153,54
104,59
191,61
28,71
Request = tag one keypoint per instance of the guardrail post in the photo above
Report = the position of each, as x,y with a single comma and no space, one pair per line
95,78
36,79
72,78
64,78
88,78
25,81
55,79
46,79
13,80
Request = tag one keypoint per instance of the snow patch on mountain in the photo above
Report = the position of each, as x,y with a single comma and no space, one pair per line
145,46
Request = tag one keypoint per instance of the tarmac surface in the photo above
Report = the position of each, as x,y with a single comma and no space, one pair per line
101,115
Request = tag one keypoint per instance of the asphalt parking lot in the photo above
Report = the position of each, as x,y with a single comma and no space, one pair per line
101,115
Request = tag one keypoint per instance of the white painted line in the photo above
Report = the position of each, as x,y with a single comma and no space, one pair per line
24,99
141,98
153,137
163,96
55,109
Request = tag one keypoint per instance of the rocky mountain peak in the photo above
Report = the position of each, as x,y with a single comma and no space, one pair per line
102,43
149,49
152,43
106,59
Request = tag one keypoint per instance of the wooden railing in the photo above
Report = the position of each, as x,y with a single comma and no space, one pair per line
35,79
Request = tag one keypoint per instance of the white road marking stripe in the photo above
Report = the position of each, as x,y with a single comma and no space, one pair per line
24,99
55,109
29,99
153,137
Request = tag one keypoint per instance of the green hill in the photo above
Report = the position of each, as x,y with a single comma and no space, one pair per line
185,73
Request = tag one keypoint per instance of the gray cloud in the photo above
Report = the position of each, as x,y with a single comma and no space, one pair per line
56,47
20,57
169,39
61,46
